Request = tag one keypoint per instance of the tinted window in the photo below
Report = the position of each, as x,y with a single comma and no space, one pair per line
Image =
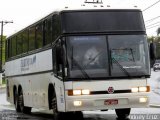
7,49
39,35
14,49
19,44
25,40
32,38
102,21
48,31
10,48
56,26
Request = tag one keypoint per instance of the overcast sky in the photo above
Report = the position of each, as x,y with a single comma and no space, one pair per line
24,12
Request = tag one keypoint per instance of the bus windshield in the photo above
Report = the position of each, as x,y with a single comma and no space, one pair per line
107,56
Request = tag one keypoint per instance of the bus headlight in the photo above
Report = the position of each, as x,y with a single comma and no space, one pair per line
141,89
85,92
144,89
78,92
134,90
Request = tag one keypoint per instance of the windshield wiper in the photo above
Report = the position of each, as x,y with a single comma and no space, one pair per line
132,54
118,64
80,67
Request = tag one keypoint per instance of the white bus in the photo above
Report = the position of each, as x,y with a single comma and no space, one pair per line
80,60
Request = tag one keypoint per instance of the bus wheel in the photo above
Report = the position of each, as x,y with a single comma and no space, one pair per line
79,115
123,113
57,115
23,108
16,101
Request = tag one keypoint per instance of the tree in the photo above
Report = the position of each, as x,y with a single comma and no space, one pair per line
3,50
158,31
151,39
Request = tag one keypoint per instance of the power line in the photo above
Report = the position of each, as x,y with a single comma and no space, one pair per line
153,24
150,20
151,5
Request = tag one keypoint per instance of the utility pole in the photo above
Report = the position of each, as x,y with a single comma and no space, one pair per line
1,42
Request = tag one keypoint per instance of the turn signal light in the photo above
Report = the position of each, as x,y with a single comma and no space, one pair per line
134,90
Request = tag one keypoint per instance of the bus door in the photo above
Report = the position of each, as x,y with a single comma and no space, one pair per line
58,56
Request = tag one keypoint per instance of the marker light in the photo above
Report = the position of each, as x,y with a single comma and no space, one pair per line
77,103
134,89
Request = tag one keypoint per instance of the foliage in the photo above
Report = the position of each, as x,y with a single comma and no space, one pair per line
151,39
3,81
158,31
3,49
156,40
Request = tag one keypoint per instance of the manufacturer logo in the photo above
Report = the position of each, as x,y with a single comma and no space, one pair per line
110,90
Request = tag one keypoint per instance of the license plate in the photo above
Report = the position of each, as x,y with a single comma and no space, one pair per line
111,102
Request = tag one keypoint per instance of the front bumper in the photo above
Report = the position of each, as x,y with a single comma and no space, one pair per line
96,102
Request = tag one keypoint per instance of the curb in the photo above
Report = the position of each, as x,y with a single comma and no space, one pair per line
155,105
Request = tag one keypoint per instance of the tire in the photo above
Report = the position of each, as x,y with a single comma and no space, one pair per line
79,115
123,113
57,115
16,101
63,115
24,109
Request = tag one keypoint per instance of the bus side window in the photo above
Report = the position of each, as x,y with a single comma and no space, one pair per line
48,31
9,48
39,35
32,44
14,46
56,26
19,44
25,40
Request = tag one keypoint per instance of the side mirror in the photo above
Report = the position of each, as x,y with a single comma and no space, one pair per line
59,54
152,51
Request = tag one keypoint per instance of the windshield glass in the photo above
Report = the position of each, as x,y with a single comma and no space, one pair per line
128,54
107,56
87,56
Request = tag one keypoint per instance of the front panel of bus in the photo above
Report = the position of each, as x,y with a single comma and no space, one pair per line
107,60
